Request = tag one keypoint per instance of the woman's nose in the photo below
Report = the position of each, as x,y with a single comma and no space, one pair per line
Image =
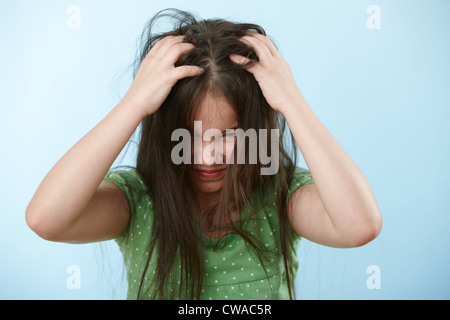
208,153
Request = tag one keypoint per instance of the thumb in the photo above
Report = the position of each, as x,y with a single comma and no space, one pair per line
188,71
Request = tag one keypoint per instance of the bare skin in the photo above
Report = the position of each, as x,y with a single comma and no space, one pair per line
73,205
339,209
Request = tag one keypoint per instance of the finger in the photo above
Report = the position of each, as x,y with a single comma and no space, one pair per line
270,45
241,60
238,59
161,47
187,71
177,50
259,47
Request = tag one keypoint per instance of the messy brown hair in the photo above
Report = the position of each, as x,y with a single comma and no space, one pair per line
177,235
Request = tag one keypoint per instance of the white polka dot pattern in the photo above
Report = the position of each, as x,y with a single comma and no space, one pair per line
232,272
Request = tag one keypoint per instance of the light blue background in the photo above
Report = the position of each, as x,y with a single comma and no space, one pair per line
383,94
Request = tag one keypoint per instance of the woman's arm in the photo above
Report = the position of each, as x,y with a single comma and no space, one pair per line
340,209
72,204
68,193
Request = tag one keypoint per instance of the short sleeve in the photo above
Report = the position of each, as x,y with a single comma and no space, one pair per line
129,182
132,186
302,177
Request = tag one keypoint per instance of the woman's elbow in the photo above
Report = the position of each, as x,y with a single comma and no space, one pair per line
36,221
367,231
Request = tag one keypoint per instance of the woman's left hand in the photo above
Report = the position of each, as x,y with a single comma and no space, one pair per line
272,72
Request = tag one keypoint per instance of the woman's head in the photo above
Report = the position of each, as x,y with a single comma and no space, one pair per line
223,85
224,96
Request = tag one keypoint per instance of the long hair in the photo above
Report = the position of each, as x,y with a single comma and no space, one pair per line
177,240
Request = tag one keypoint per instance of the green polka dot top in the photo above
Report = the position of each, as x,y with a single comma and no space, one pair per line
232,272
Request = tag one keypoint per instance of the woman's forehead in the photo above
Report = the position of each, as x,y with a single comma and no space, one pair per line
214,111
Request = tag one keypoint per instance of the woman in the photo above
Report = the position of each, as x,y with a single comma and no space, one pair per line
215,228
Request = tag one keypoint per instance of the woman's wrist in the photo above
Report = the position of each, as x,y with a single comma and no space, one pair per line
133,108
294,103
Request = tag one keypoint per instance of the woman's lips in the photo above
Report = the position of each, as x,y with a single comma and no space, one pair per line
210,174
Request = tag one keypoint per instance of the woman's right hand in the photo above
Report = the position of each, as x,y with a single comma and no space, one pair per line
158,74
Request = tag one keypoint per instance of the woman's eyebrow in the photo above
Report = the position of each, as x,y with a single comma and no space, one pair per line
233,128
223,131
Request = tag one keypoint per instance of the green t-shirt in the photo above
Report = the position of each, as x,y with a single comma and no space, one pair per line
232,272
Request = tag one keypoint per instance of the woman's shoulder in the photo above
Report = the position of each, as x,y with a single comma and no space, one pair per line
300,177
132,185
141,205
129,176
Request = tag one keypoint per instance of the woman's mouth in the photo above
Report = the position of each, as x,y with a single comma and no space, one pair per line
210,174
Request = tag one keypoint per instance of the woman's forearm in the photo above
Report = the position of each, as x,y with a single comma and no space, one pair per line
345,192
68,187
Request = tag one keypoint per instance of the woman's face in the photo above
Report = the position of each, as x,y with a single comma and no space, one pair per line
213,118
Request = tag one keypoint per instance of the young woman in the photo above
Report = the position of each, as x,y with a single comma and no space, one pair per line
208,229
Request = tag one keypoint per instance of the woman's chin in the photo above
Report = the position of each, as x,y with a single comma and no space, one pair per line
209,186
